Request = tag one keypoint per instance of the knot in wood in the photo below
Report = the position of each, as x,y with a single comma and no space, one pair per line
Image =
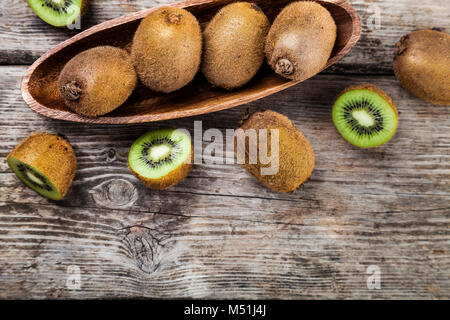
145,245
115,194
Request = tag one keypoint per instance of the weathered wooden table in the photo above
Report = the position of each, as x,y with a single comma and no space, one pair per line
219,234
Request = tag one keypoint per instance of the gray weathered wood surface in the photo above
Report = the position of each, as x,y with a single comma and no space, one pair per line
219,234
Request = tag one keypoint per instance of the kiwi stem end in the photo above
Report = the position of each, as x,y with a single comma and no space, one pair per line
284,67
72,91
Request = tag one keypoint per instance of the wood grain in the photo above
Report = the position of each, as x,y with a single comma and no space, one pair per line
40,88
219,234
25,37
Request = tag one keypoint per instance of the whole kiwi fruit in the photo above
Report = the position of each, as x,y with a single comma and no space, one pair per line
167,49
46,163
295,154
301,40
97,81
234,45
422,65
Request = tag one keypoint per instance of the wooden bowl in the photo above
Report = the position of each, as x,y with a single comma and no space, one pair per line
39,85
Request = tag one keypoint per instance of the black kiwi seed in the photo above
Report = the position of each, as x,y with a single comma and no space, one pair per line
25,169
147,145
58,7
368,105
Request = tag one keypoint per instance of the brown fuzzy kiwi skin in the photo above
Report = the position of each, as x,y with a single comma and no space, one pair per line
97,81
301,40
422,65
296,156
173,178
52,155
234,45
167,49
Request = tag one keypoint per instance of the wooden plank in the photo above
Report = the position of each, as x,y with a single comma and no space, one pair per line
25,37
219,234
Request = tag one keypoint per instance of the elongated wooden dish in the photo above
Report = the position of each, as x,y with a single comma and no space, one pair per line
39,85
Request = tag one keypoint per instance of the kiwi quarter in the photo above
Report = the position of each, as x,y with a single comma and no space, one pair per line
300,40
59,13
161,158
46,163
97,81
234,45
167,48
365,116
296,156
422,65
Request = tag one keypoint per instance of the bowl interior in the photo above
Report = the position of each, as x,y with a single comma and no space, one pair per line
196,98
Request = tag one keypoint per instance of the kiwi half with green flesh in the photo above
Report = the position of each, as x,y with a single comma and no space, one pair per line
365,116
296,156
97,81
46,163
301,40
422,65
167,49
161,158
59,13
234,45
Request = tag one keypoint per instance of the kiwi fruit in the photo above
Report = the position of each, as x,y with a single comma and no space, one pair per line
234,45
422,65
59,13
97,81
296,156
301,40
365,116
161,158
167,49
46,163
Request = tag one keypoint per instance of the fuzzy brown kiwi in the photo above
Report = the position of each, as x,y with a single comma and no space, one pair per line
234,45
422,65
46,163
97,81
301,40
167,48
296,156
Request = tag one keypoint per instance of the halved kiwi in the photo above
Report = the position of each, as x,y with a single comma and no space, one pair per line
59,13
46,163
365,116
161,158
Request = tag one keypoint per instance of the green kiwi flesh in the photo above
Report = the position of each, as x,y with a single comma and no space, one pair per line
365,116
34,179
161,158
58,13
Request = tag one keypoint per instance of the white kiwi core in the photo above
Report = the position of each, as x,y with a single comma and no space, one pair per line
363,118
159,151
